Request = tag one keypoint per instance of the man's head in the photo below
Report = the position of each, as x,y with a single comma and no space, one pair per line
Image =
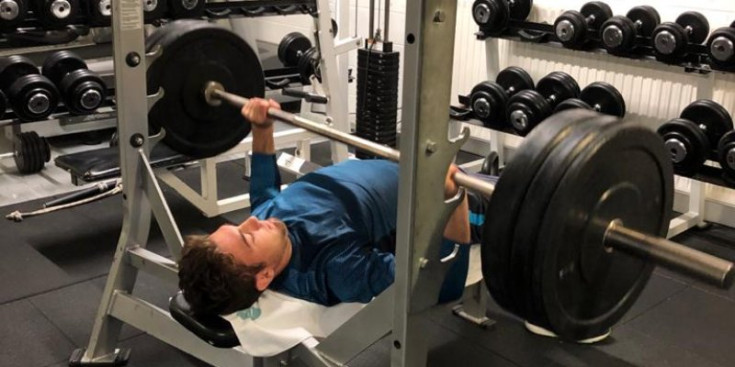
229,269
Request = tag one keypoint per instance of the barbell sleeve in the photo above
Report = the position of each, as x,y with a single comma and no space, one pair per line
672,255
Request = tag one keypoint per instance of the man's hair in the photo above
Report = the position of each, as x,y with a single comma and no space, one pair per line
214,282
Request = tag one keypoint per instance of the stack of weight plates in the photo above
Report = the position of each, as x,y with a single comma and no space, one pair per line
377,96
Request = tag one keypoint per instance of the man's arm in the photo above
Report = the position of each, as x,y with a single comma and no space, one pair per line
265,182
458,226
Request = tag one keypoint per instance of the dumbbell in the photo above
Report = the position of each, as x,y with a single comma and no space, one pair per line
292,47
670,40
726,155
694,136
488,99
12,13
82,90
30,152
721,48
185,8
598,96
491,164
56,13
493,15
573,28
296,50
618,34
157,9
31,95
528,108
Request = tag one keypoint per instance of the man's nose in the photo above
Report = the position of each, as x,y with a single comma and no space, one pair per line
251,223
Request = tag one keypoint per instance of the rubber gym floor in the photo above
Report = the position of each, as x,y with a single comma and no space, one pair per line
53,269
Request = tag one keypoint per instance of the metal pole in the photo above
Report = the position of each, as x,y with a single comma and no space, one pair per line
670,254
462,179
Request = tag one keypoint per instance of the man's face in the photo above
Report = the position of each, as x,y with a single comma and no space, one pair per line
253,241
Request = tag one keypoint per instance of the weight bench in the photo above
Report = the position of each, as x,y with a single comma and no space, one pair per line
217,331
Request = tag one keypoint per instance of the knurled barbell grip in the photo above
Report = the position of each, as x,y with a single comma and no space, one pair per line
672,255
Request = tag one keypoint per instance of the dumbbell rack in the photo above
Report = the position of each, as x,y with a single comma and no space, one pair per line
692,202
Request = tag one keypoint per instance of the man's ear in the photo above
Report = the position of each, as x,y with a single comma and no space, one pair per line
264,278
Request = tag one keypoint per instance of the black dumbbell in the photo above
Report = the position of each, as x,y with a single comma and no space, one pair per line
598,96
56,13
185,8
693,137
31,95
30,152
670,40
721,48
726,155
83,90
488,99
528,108
157,9
491,164
292,47
12,13
618,34
100,12
493,15
573,28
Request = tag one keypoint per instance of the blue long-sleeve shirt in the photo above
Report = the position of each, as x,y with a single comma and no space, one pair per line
338,218
341,221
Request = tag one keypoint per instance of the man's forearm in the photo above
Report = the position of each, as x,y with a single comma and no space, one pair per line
458,226
263,140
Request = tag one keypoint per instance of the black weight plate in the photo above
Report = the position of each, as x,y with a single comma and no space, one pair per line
195,52
185,8
3,104
726,153
508,197
488,100
520,9
37,144
284,9
56,15
21,10
13,67
648,18
572,103
624,175
154,9
558,84
684,133
532,210
666,52
604,98
715,118
699,24
75,87
597,9
533,108
61,63
220,13
491,15
32,154
612,41
722,54
291,47
514,79
45,149
578,30
22,91
20,153
253,10
100,12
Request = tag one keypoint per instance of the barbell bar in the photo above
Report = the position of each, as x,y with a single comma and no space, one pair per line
672,255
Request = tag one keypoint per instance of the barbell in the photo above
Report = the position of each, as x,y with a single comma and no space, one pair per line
573,227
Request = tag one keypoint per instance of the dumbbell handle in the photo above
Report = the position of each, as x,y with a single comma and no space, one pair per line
661,251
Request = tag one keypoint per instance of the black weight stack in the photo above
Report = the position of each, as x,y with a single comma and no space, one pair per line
377,96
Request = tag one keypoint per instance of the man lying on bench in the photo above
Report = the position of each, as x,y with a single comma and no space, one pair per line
327,238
